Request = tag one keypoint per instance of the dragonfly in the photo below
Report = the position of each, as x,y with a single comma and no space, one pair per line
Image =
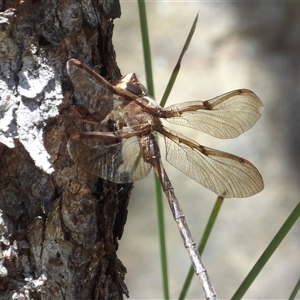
129,151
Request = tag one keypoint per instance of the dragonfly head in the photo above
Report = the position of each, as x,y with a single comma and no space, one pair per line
131,83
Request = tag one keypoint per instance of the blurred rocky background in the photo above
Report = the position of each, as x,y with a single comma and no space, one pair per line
254,45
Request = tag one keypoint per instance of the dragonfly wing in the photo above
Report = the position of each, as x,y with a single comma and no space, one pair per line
117,161
226,116
225,174
91,90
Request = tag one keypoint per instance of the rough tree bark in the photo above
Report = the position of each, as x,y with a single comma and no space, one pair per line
59,225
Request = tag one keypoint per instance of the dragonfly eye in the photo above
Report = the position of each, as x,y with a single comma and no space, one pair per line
136,88
131,83
143,88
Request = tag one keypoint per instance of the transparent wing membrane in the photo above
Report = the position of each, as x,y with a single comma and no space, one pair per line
226,116
120,162
225,174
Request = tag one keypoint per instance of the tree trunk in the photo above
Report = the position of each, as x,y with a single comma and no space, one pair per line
59,225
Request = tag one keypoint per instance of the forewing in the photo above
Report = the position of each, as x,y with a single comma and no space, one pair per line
226,116
94,91
225,174
120,162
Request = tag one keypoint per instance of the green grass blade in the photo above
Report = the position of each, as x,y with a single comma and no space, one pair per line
295,290
288,224
202,244
146,46
178,64
159,201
